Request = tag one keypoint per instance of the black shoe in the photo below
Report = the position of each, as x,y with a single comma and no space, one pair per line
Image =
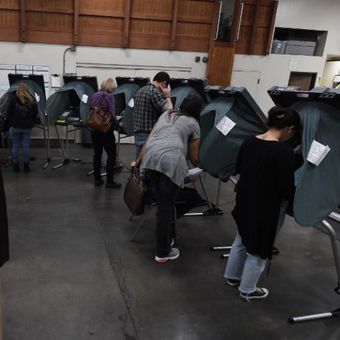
27,167
275,251
233,282
260,293
113,185
16,167
98,182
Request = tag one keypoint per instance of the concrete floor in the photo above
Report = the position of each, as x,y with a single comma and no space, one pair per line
74,275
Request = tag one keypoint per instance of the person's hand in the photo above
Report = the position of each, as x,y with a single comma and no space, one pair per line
193,178
166,92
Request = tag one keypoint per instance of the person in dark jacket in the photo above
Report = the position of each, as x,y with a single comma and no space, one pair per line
266,168
22,112
104,99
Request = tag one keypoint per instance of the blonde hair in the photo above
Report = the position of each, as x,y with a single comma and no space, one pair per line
23,94
107,85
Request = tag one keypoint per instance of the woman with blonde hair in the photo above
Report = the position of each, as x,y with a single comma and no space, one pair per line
104,99
22,112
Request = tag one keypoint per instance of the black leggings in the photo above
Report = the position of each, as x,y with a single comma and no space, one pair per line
107,142
165,197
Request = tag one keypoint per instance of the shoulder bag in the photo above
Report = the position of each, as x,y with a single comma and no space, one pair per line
134,192
99,120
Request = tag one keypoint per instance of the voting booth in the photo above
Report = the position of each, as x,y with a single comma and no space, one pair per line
318,180
230,117
184,87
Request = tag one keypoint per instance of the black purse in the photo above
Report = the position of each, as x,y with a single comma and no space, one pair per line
134,193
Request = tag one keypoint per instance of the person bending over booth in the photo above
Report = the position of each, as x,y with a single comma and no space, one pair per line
150,102
22,111
104,99
266,168
163,160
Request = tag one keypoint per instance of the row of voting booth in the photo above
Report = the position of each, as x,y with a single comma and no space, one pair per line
228,117
231,108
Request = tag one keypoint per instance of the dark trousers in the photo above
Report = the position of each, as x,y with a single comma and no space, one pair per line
165,197
107,142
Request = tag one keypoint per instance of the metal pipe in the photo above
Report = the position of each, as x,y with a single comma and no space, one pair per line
335,216
332,236
239,22
218,21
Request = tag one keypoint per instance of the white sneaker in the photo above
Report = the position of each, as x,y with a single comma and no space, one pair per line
173,255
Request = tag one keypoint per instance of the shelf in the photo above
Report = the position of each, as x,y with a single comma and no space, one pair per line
299,42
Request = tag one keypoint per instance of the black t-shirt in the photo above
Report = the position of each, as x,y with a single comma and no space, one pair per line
266,171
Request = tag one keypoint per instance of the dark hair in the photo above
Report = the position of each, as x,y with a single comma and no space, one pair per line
281,117
191,106
162,76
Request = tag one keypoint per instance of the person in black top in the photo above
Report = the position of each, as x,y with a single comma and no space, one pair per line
22,112
104,99
266,169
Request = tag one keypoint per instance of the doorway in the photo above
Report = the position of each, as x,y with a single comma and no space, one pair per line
303,80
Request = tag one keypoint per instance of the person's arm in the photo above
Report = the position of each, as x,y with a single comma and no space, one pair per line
286,175
111,108
194,143
193,151
167,95
35,109
239,161
11,105
111,104
161,102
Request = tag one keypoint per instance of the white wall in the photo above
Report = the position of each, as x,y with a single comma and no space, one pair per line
331,69
113,60
102,62
275,69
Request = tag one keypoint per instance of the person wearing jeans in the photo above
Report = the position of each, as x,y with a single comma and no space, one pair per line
266,168
22,111
20,140
149,103
140,139
243,267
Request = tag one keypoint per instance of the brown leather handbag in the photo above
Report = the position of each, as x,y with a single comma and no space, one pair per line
99,120
134,192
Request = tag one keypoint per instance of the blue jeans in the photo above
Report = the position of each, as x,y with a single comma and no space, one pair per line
20,139
243,266
140,139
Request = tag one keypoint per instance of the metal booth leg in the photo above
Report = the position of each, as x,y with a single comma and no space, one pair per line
336,312
212,210
222,248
